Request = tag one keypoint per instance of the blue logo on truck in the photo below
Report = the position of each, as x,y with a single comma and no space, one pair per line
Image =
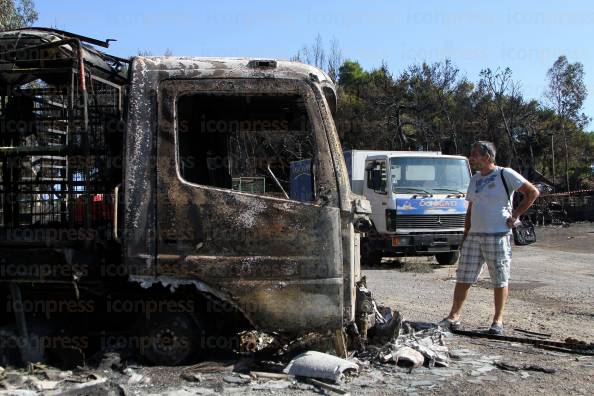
430,206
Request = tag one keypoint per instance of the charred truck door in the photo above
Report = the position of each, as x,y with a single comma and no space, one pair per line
224,217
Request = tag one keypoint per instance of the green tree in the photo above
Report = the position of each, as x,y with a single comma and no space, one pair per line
16,14
431,107
506,96
430,95
351,75
566,93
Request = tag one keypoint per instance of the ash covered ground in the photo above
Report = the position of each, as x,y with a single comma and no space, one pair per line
551,291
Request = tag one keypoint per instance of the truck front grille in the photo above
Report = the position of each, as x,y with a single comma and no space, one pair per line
430,221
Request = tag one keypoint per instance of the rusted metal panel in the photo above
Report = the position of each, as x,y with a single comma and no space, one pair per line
140,172
285,264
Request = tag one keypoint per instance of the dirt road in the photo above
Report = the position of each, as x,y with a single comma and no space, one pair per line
551,291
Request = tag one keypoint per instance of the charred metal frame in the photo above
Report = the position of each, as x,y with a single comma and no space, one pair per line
295,269
70,124
294,253
281,239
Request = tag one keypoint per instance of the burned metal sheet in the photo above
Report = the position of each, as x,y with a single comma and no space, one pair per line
285,264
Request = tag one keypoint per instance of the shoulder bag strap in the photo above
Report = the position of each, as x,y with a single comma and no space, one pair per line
505,184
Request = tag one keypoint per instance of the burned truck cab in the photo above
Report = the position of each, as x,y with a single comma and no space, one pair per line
155,194
207,189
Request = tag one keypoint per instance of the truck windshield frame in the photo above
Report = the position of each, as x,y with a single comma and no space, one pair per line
434,175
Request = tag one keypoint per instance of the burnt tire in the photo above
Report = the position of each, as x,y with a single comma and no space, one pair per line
170,339
449,258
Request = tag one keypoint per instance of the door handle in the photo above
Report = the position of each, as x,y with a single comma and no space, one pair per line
116,192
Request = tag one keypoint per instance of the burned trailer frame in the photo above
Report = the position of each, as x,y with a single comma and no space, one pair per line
294,269
61,139
61,135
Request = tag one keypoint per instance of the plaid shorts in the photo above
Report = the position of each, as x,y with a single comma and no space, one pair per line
478,248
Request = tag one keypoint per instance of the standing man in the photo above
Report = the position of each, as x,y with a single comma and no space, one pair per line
487,230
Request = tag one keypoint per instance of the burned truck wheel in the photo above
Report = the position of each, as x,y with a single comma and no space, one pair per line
449,258
170,339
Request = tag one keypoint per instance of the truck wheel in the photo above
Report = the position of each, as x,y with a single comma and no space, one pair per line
371,259
449,258
170,339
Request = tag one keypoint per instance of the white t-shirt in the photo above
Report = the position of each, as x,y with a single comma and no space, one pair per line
490,203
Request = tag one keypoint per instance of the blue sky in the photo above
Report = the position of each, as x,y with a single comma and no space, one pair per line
525,35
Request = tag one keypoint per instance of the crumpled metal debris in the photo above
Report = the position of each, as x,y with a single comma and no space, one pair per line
387,325
428,342
373,323
408,357
41,379
431,344
365,308
254,341
134,377
320,365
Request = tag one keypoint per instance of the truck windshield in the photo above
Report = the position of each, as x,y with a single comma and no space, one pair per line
426,174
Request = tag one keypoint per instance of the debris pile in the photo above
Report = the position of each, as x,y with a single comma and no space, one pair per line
415,357
41,379
412,348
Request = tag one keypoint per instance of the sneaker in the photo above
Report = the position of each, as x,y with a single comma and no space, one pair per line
496,329
448,324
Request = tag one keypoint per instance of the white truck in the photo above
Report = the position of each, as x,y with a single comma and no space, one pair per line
417,200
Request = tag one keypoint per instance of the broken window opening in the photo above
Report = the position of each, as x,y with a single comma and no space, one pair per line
243,142
376,176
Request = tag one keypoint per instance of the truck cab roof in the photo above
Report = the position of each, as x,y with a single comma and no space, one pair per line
152,70
227,67
378,154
